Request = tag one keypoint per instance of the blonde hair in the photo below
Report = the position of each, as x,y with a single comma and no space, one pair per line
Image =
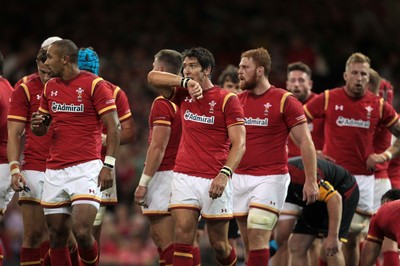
357,58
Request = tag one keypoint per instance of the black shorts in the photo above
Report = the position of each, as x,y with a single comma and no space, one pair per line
233,231
314,218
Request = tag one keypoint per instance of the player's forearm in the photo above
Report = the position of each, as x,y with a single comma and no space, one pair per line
14,148
127,135
309,158
238,147
113,140
164,81
334,207
153,160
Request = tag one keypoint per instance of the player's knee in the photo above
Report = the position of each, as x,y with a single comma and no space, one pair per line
358,223
261,219
296,247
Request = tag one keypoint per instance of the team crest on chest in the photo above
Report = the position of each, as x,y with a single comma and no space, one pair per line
212,104
79,91
266,108
369,110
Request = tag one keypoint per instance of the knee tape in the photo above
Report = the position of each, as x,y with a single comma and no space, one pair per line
99,216
358,223
261,219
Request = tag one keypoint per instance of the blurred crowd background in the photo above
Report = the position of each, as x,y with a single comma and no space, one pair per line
127,33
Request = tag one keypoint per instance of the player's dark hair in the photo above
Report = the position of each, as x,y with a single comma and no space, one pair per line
41,56
261,57
300,66
230,73
171,59
67,47
204,56
391,194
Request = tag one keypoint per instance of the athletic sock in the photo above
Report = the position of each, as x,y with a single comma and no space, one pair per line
258,257
161,260
322,263
230,260
44,249
196,256
30,256
74,255
168,255
59,256
90,256
183,255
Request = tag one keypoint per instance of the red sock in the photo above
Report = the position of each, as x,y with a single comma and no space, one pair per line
73,253
60,256
161,260
322,263
196,256
390,258
30,256
230,260
183,255
168,255
1,254
46,259
44,249
258,257
90,256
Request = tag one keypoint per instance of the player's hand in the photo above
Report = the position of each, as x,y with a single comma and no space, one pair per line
140,195
321,155
373,159
331,246
310,192
218,186
195,90
18,182
106,179
37,120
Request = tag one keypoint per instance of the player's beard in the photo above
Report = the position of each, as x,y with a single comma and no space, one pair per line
249,84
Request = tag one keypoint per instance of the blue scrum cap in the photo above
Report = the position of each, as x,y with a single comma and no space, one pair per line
88,60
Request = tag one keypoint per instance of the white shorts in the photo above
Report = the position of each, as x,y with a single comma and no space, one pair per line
290,211
366,186
263,192
109,196
158,194
191,192
34,181
66,187
382,185
6,192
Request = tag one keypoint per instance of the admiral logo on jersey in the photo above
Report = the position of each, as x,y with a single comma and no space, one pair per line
351,122
256,122
198,118
69,108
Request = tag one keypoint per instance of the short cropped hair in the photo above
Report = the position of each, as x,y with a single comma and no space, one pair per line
357,58
300,66
171,59
391,194
261,57
67,47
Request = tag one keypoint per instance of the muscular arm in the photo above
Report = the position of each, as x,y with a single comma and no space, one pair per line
127,131
164,83
156,150
14,143
369,253
301,135
334,206
113,126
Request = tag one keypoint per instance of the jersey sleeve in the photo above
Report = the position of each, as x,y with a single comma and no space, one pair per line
103,99
389,115
375,234
44,106
19,104
162,113
122,103
292,110
315,108
234,114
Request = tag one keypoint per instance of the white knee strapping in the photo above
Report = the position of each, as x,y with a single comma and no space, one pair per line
261,219
358,223
99,216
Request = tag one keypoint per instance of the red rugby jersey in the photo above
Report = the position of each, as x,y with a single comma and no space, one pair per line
268,119
24,101
350,125
5,94
76,106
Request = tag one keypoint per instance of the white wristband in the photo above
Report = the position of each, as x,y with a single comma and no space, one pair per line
109,160
388,155
13,162
145,180
15,171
